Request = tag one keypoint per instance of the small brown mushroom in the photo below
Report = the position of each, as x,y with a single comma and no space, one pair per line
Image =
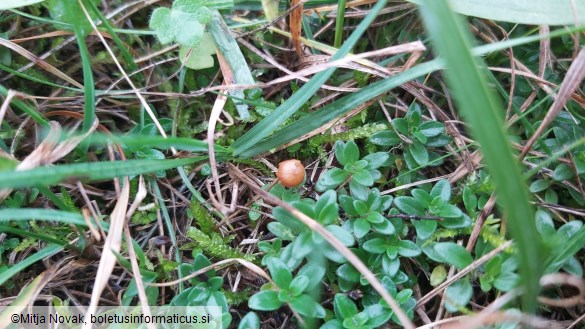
290,173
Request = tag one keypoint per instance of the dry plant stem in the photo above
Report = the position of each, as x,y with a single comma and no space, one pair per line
330,238
216,110
112,244
563,279
487,209
137,276
462,273
38,61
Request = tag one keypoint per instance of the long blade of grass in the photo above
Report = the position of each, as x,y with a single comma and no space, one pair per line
159,142
34,235
533,12
347,103
88,84
25,214
18,267
269,124
467,82
89,171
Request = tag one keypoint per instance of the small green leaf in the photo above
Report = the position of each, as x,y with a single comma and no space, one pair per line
344,307
376,160
265,301
562,172
450,211
458,295
250,321
376,218
438,275
453,254
363,177
424,228
70,12
360,207
341,234
307,306
390,266
200,56
280,273
346,153
409,205
431,128
385,227
408,248
419,153
375,246
539,185
298,285
331,179
469,200
361,227
385,138
443,189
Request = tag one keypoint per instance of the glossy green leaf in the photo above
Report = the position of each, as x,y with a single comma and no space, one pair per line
298,285
375,246
419,153
562,172
331,179
431,128
385,138
344,307
408,248
265,301
438,275
539,185
442,189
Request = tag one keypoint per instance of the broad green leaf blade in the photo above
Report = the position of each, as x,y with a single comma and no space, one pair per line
269,124
480,109
453,254
532,12
9,4
89,171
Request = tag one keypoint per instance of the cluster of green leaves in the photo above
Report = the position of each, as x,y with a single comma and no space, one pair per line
418,138
205,289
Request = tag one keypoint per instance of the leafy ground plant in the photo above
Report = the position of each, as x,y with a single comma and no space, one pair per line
444,160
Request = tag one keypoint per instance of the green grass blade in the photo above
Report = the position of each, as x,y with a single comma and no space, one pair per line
533,12
88,84
269,124
481,110
87,171
40,255
319,118
339,23
25,214
34,235
158,142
